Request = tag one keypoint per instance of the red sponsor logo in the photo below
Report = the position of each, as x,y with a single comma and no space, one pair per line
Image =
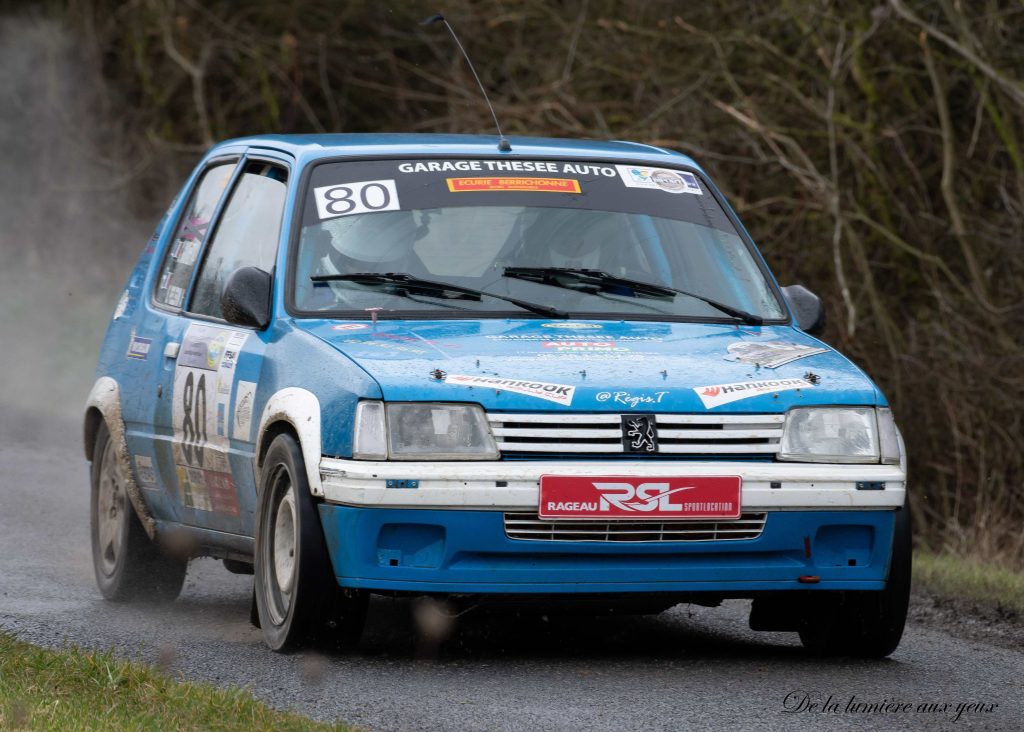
712,391
555,185
350,326
639,498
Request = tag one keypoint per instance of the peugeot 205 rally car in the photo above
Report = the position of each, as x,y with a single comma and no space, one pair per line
417,364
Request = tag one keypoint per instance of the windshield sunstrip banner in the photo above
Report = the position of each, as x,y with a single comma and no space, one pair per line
376,186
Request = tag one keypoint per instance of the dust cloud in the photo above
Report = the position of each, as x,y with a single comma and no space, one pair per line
70,229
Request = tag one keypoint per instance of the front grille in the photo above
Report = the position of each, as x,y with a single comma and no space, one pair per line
740,435
529,526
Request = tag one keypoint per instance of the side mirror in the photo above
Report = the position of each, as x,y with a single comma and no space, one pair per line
246,298
807,307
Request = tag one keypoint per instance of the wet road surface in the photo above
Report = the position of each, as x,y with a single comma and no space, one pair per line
688,668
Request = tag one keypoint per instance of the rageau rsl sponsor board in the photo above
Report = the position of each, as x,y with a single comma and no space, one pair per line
629,497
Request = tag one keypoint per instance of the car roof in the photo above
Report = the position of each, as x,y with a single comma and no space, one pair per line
311,147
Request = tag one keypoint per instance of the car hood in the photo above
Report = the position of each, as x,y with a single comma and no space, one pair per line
554,365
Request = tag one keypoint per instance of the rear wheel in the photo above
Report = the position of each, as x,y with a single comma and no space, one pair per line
297,595
128,565
867,624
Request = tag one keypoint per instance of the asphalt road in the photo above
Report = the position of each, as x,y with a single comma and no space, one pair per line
689,668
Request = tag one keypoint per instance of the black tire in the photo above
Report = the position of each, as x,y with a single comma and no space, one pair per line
298,599
867,624
129,566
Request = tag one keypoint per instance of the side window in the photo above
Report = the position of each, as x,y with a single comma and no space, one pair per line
246,235
184,248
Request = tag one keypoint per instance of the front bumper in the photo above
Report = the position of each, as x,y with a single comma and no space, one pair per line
515,484
430,551
447,534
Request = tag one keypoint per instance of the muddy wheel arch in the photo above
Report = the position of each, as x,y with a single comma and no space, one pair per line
104,404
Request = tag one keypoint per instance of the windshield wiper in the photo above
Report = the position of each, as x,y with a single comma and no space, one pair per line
406,283
579,279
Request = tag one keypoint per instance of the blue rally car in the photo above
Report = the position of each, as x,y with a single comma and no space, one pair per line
418,364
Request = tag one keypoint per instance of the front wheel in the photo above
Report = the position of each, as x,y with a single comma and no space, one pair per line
128,565
868,624
297,595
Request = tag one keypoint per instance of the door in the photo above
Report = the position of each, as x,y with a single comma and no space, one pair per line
209,422
157,320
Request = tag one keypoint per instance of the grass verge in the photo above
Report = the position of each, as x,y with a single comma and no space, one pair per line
76,689
945,574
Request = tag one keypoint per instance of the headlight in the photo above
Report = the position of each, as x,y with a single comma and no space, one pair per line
422,431
831,435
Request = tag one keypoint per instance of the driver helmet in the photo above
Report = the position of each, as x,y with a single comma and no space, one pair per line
380,242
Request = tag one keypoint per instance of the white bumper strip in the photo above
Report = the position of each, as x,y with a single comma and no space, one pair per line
515,484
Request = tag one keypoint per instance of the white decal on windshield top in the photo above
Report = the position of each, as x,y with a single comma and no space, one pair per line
557,393
368,196
671,181
718,394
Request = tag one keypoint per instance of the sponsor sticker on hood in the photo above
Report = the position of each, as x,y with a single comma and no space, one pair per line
557,393
350,326
716,395
770,354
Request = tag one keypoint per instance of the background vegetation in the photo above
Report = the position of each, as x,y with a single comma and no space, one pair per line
874,150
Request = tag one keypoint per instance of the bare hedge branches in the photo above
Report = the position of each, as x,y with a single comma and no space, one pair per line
873,149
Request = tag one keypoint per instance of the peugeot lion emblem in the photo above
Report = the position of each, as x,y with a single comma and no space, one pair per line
639,433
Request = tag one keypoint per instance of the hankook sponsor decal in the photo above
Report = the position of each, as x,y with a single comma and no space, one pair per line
557,393
716,395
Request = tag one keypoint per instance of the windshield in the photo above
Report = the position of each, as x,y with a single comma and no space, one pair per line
468,222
